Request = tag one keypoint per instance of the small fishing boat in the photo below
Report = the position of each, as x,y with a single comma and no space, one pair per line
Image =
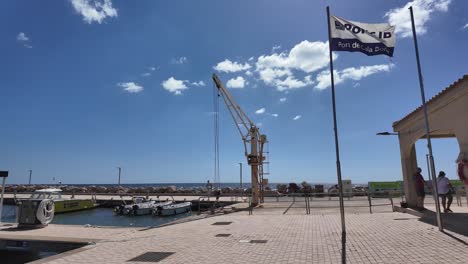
62,205
139,206
173,209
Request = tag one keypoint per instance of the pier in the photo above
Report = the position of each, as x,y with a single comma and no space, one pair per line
112,200
277,232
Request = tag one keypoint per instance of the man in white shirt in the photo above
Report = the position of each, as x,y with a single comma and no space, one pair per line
445,191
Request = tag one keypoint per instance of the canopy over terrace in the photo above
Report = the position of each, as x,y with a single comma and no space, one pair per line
448,118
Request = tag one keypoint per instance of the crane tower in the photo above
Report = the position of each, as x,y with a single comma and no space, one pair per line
252,139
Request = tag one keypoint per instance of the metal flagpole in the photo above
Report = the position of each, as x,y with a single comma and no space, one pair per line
240,174
338,165
435,192
428,167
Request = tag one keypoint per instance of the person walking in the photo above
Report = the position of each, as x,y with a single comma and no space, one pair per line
445,191
421,194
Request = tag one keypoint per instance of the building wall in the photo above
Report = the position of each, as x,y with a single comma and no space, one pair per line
448,117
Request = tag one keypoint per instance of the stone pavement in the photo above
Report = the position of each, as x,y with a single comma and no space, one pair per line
288,238
68,233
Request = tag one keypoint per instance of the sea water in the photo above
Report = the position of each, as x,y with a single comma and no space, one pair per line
99,217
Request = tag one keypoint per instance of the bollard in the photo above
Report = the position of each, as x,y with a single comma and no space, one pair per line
370,202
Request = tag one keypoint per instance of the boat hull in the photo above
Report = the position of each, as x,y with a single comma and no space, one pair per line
140,209
67,206
175,209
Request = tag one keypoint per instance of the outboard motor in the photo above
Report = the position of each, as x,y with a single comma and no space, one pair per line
35,212
135,208
157,210
119,209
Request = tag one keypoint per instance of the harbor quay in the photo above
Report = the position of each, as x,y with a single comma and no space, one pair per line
112,200
277,232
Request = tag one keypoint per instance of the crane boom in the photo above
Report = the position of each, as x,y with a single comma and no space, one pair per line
250,136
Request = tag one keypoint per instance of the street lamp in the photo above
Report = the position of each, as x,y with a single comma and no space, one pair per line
30,175
120,170
240,174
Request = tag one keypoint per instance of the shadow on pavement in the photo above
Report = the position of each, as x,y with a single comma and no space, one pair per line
454,222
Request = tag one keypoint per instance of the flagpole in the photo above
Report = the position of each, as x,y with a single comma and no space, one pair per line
337,148
435,192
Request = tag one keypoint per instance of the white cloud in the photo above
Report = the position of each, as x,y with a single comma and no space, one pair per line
423,10
291,83
282,99
180,60
152,68
277,69
276,47
94,10
199,83
251,58
248,73
229,66
260,111
352,73
146,74
174,86
131,87
274,115
22,37
259,124
297,117
238,82
465,26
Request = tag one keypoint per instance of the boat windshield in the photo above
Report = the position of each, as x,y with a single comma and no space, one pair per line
43,195
139,200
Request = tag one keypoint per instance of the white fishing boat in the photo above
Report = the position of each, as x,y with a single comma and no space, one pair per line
139,206
173,209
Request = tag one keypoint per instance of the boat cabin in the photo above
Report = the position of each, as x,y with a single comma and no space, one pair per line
53,194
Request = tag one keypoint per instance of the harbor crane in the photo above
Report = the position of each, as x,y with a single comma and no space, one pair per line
251,135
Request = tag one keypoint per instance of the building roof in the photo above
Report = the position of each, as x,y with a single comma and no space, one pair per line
434,98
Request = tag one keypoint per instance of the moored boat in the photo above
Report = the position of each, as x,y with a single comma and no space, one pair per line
61,204
139,206
173,209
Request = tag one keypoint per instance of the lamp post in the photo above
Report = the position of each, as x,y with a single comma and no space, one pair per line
30,175
240,174
120,170
3,175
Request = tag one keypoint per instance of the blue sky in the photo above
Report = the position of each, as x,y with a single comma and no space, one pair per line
91,85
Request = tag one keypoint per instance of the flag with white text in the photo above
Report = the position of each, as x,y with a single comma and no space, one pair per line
370,39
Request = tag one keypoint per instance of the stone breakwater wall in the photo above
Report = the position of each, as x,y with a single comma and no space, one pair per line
19,188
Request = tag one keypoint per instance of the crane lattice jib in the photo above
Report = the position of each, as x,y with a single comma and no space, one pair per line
250,135
245,126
